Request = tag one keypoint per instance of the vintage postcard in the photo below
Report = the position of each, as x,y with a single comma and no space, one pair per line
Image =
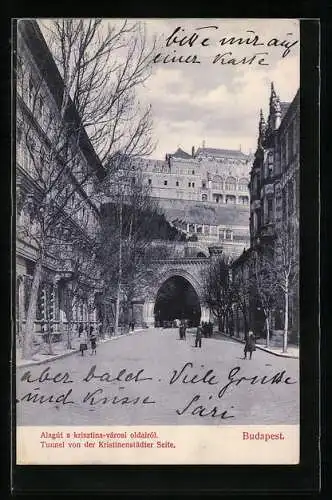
157,241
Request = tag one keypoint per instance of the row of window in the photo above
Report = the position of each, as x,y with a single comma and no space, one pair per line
226,234
229,186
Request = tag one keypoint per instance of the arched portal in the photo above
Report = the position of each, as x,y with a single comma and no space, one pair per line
177,299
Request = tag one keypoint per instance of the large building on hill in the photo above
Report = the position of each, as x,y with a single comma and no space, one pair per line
204,194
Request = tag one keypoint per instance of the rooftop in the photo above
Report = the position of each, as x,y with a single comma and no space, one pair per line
223,153
179,153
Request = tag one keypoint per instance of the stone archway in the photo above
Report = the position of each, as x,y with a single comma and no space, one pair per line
149,308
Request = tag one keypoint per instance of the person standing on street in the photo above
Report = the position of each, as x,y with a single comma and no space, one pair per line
250,345
93,340
198,339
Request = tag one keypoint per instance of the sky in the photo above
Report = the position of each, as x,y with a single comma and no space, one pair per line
213,102
217,103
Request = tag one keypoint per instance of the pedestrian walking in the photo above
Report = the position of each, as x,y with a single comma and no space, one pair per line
80,329
250,345
184,329
83,347
93,340
198,338
181,330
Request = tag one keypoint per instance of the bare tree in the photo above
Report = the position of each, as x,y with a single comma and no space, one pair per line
217,289
241,291
133,221
93,105
265,286
286,267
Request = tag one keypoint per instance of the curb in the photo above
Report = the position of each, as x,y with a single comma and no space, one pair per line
261,348
70,353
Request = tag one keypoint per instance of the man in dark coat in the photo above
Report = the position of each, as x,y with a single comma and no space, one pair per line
250,345
198,338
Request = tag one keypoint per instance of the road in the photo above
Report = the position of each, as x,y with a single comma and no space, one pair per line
141,379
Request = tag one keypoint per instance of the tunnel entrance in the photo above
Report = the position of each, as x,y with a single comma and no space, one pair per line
177,299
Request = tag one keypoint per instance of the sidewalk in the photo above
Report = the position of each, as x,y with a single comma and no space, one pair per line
292,351
60,350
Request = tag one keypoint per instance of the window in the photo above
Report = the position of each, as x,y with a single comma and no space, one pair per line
204,197
217,182
189,184
193,184
269,209
165,183
193,172
177,183
228,234
230,184
150,182
203,185
243,184
133,180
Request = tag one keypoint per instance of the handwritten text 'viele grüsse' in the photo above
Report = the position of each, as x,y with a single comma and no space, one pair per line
96,383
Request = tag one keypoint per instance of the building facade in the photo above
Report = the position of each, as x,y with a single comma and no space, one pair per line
204,194
45,182
274,207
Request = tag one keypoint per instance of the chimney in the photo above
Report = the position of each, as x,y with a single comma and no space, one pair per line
193,151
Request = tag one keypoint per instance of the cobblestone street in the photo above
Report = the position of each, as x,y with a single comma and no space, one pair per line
137,376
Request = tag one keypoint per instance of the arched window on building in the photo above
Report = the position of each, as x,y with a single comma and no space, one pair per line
217,182
204,197
243,184
230,184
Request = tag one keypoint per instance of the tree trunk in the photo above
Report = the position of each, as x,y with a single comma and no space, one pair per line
267,325
31,313
285,336
69,326
118,295
245,320
49,337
